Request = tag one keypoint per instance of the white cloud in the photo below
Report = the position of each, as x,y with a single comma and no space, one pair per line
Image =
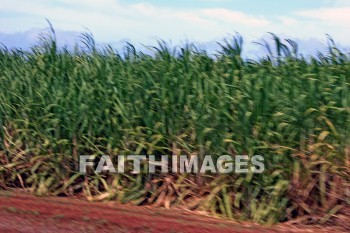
112,20
228,16
288,21
333,21
108,18
340,16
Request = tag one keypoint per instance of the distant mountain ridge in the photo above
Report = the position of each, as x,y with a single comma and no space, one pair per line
31,37
69,39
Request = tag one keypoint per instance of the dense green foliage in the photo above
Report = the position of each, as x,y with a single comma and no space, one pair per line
57,104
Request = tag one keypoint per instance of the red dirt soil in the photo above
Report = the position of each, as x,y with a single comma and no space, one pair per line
21,212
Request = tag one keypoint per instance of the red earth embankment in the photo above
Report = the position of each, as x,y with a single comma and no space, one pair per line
26,213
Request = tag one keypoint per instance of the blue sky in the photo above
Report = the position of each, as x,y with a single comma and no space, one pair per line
142,21
266,7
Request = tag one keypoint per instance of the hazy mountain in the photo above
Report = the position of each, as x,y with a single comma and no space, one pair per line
252,50
28,38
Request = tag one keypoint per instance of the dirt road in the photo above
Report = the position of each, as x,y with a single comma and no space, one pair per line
26,213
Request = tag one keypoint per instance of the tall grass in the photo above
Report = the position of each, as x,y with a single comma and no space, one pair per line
57,104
